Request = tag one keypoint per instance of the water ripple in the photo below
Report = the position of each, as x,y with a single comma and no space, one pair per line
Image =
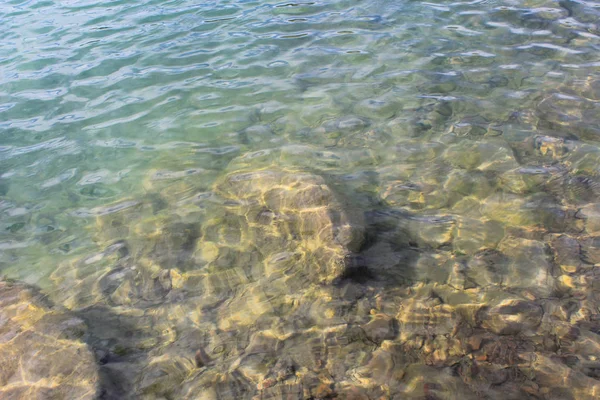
465,132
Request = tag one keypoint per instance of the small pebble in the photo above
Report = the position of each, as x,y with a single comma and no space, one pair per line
267,383
475,342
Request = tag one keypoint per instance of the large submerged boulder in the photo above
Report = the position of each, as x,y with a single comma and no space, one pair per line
287,215
41,355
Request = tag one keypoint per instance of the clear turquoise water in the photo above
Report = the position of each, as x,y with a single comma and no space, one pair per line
460,139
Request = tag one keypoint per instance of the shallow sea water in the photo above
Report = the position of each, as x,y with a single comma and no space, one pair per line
301,200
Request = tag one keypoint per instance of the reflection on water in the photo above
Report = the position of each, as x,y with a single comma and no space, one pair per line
313,200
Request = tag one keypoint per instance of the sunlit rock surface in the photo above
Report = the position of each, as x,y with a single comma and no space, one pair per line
295,214
42,355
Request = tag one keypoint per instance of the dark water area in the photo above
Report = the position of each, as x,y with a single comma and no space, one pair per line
303,200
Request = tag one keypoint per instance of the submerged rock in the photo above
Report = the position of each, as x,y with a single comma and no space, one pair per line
487,268
428,231
560,111
487,155
381,328
112,277
511,316
567,252
559,381
473,235
531,179
462,183
380,108
529,266
591,250
41,355
426,317
292,212
427,382
536,211
551,146
590,214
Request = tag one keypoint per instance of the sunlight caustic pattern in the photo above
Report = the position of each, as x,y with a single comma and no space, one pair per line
300,200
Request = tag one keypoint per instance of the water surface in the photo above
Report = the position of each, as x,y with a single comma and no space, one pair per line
320,199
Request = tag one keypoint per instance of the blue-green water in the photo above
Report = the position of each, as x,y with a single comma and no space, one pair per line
322,199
